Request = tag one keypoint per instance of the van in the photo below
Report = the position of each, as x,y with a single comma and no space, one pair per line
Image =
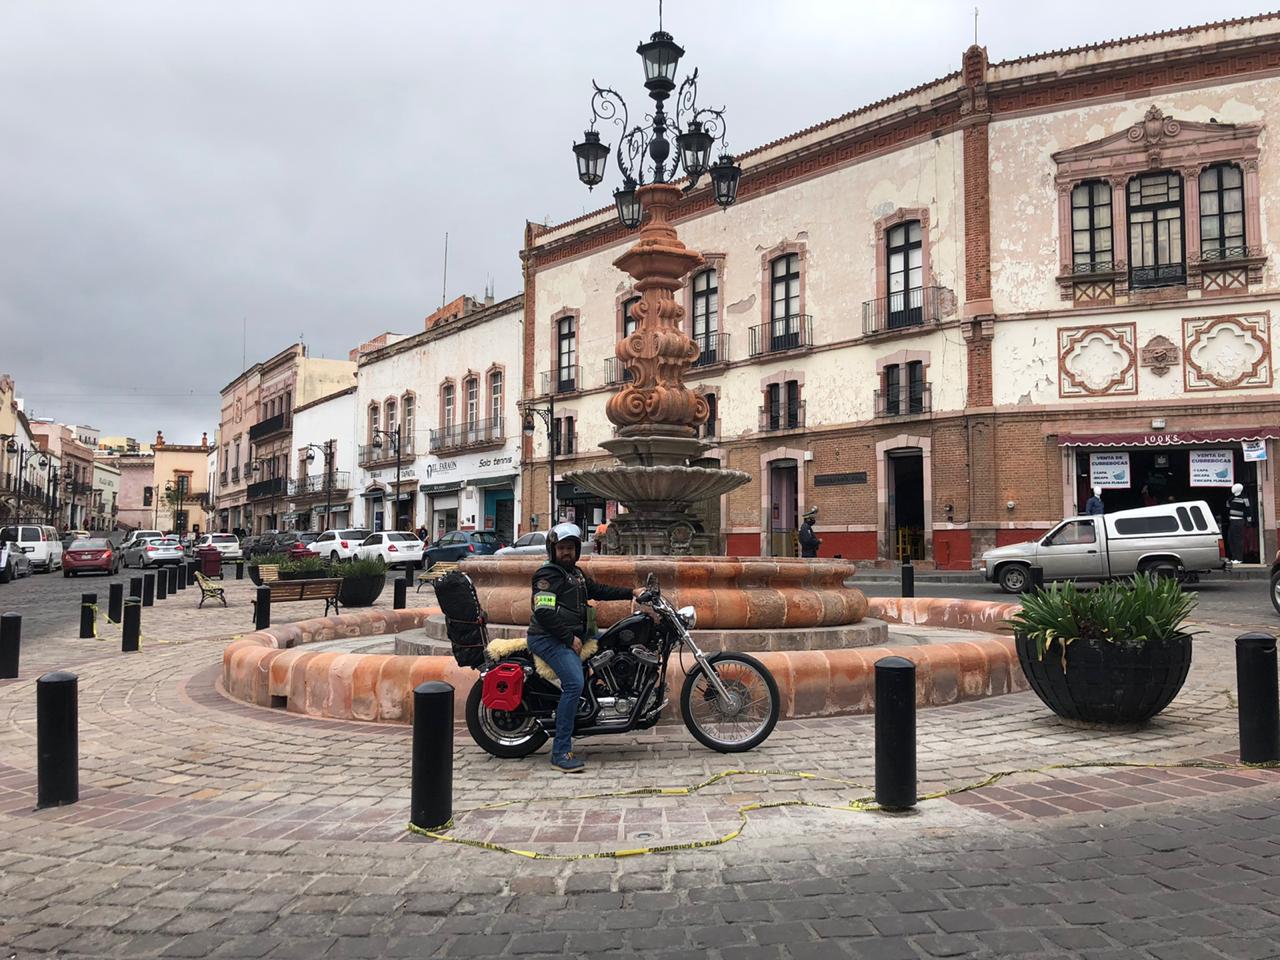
41,544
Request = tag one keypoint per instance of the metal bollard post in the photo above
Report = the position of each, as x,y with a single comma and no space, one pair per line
431,800
135,588
115,602
895,733
1259,703
262,609
191,573
148,589
131,628
1037,577
908,578
88,615
57,740
400,595
162,583
239,569
171,574
10,645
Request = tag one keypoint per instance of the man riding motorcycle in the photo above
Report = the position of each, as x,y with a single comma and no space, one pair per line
562,621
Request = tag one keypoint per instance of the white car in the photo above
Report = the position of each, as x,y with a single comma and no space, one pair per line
395,549
225,543
41,544
338,545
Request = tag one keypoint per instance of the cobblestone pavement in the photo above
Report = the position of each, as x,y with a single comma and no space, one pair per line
209,828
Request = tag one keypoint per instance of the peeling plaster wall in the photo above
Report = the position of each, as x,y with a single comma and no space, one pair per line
1024,203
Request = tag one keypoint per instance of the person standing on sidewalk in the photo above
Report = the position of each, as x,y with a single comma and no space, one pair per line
1094,507
809,542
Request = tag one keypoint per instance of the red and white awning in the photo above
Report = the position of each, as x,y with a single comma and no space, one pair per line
1170,438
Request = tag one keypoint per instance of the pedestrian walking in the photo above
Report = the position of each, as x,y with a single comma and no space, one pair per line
601,529
1239,513
809,542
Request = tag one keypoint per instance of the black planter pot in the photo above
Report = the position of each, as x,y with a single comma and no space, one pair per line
361,591
254,575
1107,682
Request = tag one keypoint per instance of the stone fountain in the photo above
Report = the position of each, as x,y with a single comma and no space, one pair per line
656,415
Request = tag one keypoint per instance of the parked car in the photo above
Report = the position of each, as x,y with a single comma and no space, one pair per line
273,541
71,536
140,535
461,544
90,555
338,544
40,543
152,552
1172,539
13,561
1275,582
300,547
225,543
529,545
395,549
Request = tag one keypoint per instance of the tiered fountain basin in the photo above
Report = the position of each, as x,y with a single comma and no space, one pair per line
274,668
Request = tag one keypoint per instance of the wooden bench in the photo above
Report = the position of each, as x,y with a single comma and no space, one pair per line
209,590
268,572
292,591
438,569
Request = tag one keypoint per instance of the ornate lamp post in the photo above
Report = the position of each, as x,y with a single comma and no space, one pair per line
23,455
326,451
394,438
547,415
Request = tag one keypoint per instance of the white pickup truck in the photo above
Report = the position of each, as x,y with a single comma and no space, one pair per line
1170,540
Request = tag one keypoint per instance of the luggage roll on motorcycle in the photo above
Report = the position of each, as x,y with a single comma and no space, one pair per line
729,701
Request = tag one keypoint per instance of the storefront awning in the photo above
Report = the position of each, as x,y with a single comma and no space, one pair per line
1171,438
506,480
441,487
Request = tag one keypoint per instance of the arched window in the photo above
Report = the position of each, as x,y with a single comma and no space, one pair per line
406,411
905,253
1091,227
373,421
447,411
706,315
391,416
1222,213
472,388
1156,256
495,400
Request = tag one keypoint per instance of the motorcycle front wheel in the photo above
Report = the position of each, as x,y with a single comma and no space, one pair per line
505,734
750,714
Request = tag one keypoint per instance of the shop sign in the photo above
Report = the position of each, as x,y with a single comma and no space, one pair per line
406,473
839,479
1110,471
1213,468
440,467
497,461
1254,450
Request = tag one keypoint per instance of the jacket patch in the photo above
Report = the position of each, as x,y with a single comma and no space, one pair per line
543,584
544,600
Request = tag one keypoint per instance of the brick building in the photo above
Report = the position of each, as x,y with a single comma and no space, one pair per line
942,317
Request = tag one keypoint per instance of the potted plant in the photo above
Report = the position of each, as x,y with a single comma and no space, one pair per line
266,559
362,581
307,568
1117,654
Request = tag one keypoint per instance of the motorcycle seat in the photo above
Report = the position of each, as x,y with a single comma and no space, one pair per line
499,649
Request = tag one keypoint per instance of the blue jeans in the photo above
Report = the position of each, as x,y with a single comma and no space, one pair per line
568,667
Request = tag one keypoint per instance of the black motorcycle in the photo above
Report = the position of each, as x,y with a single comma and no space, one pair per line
729,701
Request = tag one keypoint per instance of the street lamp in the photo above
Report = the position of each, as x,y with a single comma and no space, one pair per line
24,454
695,131
327,452
547,415
395,445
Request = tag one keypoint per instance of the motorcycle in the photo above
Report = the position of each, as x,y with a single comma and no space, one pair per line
729,701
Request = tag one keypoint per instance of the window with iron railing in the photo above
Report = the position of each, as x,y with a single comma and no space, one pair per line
783,409
1156,252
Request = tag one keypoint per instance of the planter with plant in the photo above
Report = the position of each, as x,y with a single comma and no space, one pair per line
362,581
308,568
264,559
1116,654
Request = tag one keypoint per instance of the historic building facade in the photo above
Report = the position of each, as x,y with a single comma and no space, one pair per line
943,317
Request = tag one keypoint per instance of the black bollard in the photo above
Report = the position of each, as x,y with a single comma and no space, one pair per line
400,595
1037,577
431,801
115,602
895,733
57,740
88,614
135,588
162,583
239,569
908,578
262,609
171,574
10,644
148,589
191,573
131,628
1259,705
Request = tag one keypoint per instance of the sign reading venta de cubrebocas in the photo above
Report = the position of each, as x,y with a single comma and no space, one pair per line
1110,471
1213,468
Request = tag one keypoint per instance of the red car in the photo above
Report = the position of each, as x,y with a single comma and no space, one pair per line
90,556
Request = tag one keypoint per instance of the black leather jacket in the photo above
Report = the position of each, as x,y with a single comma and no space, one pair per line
560,602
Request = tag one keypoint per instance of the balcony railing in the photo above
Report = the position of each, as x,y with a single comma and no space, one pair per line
715,349
315,484
235,475
265,428
372,454
615,372
567,444
271,487
782,418
906,308
477,433
905,401
778,336
1159,275
562,380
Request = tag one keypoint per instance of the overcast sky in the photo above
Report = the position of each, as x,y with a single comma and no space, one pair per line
173,172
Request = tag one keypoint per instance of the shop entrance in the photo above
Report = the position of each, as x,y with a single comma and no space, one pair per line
1163,475
499,513
783,508
905,485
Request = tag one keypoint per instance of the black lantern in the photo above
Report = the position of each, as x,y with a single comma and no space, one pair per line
725,175
661,57
591,154
628,205
695,149
527,428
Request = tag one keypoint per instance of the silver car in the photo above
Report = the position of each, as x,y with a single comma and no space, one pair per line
531,544
153,552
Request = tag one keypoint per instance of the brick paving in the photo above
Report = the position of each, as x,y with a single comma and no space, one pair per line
210,828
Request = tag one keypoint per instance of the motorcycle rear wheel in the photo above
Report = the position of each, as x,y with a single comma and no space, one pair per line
747,725
504,734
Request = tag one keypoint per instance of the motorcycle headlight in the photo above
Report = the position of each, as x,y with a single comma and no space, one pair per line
688,616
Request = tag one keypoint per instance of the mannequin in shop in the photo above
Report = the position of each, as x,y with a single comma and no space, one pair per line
1239,513
1094,507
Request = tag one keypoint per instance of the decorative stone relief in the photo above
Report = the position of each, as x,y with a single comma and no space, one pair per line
1152,132
1228,352
1160,355
1097,361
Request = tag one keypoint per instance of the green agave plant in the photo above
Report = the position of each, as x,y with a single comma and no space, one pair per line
360,568
268,559
304,565
1145,609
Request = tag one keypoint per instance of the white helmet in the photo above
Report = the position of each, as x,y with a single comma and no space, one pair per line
564,531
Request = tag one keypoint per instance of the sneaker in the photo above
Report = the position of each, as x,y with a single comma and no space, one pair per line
568,764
